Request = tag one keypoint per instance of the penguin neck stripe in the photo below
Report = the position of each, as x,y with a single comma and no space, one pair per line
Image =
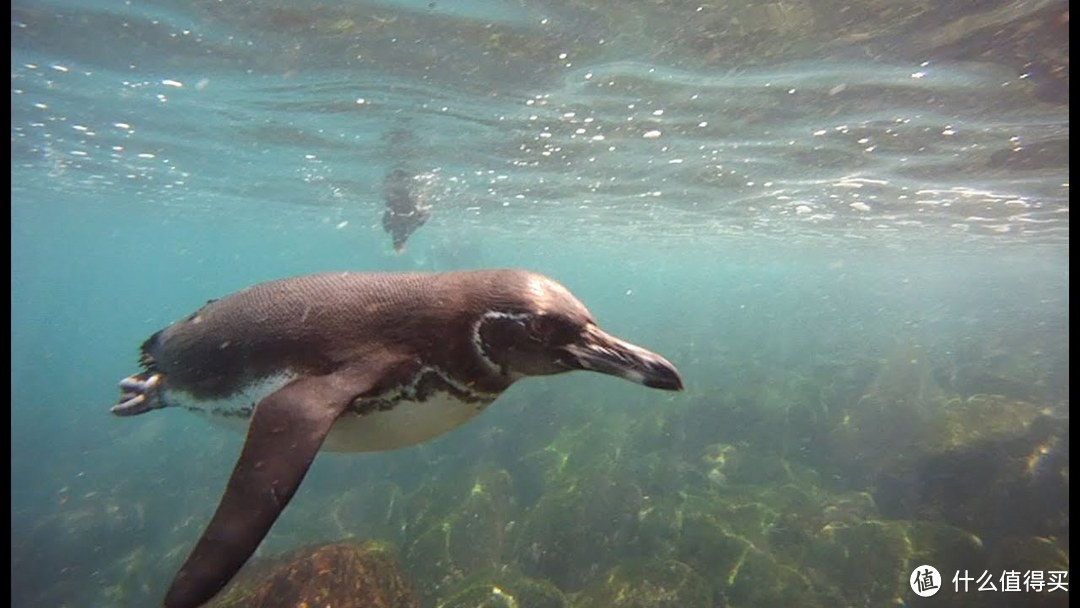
411,390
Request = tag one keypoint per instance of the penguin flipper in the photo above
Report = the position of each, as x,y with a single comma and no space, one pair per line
287,429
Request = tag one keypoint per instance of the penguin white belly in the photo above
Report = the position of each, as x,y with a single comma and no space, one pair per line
407,423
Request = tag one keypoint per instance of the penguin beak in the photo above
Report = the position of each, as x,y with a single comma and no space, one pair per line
602,352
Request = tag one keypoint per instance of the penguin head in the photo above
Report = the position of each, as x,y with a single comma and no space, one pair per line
544,329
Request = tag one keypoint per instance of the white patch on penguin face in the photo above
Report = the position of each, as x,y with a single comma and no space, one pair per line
478,340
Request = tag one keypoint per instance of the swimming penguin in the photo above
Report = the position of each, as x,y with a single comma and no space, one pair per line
357,362
404,189
406,206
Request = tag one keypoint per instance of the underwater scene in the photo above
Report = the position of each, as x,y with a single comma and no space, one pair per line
805,264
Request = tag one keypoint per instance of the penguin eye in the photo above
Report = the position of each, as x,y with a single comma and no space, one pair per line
539,328
551,330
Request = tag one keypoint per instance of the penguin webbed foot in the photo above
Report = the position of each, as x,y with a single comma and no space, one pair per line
139,394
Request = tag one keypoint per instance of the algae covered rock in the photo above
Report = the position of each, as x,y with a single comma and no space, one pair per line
1000,468
867,561
478,526
374,511
648,584
573,534
947,548
467,536
1029,553
588,517
981,418
759,581
503,589
710,547
429,561
342,575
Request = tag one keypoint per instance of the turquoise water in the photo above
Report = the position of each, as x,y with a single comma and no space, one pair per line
849,230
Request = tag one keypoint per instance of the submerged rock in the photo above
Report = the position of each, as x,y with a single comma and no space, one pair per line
342,575
574,534
374,511
1029,553
756,555
586,521
468,538
431,564
503,589
867,561
999,467
760,581
713,550
648,584
479,525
